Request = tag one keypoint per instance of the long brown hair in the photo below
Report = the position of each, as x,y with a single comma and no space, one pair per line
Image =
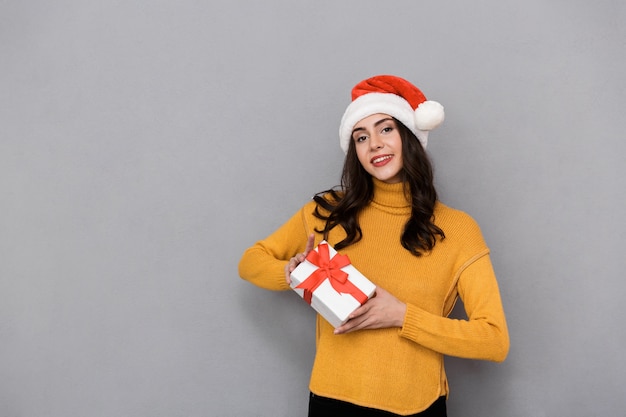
341,206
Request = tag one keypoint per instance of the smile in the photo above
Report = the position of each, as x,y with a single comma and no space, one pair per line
382,159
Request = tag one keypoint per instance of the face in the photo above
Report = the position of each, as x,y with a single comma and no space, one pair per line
379,147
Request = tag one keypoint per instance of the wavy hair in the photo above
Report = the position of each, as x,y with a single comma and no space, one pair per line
342,205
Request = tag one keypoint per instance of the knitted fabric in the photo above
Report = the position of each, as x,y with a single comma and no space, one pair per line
397,369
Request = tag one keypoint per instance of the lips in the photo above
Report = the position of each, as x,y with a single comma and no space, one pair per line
380,160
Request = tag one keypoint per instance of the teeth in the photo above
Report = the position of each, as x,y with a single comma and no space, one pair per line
380,159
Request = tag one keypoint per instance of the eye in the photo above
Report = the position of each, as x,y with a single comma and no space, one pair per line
387,129
360,138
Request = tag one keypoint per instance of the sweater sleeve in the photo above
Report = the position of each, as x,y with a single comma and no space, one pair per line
484,335
263,264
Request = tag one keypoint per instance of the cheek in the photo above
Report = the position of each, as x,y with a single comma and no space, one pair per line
397,140
398,146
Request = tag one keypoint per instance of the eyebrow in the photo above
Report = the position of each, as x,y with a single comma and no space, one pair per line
383,120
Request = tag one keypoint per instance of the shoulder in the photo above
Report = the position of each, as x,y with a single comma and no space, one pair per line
326,201
321,204
449,215
456,223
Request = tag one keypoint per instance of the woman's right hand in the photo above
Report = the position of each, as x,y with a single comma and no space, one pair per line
299,258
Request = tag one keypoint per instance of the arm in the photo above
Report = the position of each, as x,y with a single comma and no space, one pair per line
484,335
268,262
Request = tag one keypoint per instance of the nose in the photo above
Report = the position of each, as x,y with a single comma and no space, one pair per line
376,142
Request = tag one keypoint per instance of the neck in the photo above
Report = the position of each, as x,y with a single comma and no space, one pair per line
391,195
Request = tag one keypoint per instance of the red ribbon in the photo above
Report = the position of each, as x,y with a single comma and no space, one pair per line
331,269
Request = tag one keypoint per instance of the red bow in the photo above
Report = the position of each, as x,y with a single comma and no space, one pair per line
331,269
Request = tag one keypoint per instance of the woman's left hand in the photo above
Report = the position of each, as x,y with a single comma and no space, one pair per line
379,312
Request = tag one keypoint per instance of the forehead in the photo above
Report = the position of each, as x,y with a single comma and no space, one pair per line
372,120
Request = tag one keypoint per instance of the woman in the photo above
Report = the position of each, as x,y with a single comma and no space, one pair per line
387,359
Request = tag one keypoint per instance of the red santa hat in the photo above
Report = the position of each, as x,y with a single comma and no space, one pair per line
396,97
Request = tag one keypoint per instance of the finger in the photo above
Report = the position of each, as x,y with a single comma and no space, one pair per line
355,320
344,328
351,325
310,244
341,329
291,265
287,274
294,262
359,311
364,308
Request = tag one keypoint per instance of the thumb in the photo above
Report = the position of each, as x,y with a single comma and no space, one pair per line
310,244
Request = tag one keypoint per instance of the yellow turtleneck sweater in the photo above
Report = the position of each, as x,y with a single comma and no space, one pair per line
397,369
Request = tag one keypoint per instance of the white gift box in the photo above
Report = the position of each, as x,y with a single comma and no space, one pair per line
332,296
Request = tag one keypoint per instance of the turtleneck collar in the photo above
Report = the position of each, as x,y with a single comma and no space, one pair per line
390,197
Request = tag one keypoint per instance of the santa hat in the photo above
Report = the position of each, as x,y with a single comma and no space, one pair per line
396,97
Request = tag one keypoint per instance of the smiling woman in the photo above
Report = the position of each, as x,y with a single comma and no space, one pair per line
420,254
379,147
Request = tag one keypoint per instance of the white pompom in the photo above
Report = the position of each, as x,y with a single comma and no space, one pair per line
429,115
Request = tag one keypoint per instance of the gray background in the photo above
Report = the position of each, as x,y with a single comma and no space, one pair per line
144,145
